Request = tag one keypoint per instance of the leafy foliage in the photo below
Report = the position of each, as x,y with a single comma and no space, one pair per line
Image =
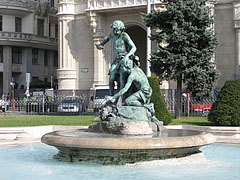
185,44
226,109
161,111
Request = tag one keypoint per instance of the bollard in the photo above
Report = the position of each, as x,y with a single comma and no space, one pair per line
13,103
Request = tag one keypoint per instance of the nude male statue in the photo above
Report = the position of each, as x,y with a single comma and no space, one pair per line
137,77
123,49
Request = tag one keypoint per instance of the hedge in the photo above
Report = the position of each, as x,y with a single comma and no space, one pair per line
226,109
161,111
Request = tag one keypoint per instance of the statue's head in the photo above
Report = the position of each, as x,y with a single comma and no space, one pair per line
126,66
118,27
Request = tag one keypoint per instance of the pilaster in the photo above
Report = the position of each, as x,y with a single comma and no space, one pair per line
96,23
236,18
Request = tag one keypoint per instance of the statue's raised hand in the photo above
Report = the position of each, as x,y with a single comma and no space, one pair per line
99,46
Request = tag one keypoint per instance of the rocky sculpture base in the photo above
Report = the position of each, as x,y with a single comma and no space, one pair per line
128,120
127,128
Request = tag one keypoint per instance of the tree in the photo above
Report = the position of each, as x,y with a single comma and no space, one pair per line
185,46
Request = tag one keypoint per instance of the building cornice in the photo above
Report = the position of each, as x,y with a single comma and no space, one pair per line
27,39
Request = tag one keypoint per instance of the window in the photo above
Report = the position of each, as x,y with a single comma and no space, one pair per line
35,56
35,78
52,3
55,59
18,24
0,23
56,31
16,55
1,54
45,57
40,27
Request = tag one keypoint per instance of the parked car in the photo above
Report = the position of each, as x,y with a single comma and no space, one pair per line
40,103
4,105
201,108
71,104
98,97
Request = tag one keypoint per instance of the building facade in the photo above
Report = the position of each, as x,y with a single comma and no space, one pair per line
227,25
59,45
28,42
83,23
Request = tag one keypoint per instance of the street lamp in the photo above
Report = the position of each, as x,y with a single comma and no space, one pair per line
12,84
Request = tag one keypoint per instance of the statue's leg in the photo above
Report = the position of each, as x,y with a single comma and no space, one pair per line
111,82
133,100
121,80
112,77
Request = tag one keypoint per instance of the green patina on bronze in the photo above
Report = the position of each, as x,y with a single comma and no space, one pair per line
133,85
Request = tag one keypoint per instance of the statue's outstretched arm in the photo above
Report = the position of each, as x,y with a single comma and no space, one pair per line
105,40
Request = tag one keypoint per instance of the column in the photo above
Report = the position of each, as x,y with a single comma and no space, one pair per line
66,74
7,68
22,76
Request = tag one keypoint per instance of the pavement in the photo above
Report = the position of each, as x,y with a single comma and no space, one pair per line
224,135
23,135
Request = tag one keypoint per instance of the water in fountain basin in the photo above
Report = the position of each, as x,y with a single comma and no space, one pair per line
34,161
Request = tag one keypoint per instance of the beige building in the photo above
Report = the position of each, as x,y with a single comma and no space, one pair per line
28,42
84,23
227,25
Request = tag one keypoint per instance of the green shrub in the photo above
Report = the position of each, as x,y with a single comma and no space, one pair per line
161,111
226,109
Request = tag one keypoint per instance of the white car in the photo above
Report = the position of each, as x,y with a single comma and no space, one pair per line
99,98
4,105
71,104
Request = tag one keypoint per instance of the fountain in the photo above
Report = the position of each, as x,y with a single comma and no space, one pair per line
128,130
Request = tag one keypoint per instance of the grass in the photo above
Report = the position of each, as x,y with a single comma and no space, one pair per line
192,121
38,120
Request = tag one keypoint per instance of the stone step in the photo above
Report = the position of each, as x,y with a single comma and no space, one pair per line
10,134
24,135
228,140
225,133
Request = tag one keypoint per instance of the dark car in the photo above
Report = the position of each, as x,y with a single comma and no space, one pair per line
71,104
41,104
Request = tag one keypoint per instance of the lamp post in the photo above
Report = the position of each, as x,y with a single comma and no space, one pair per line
148,72
12,84
28,79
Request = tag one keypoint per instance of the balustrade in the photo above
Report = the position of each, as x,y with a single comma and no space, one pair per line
103,4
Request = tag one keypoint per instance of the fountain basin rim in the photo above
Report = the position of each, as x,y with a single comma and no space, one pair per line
54,139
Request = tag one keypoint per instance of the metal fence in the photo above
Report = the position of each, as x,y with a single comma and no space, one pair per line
88,106
56,106
191,106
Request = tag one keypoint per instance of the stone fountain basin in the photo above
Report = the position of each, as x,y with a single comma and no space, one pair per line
81,145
